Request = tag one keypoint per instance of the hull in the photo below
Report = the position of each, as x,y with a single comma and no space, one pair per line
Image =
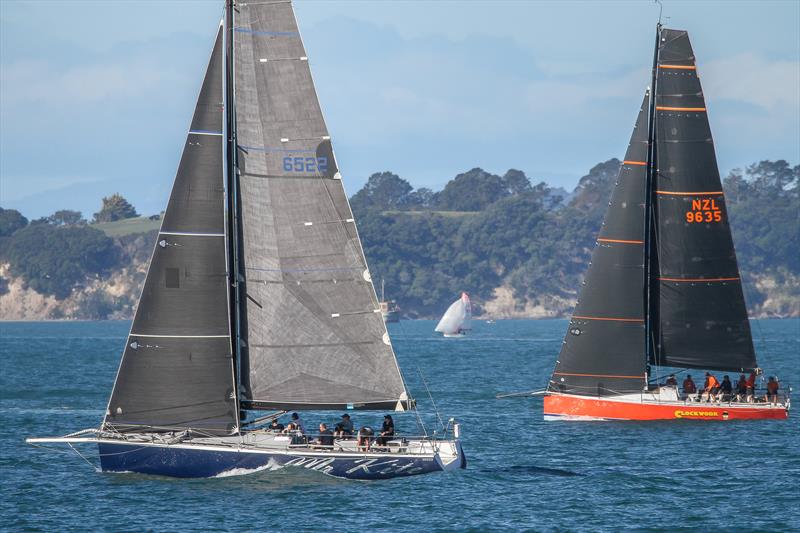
193,461
390,316
572,407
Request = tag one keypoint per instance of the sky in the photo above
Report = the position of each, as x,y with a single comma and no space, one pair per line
96,97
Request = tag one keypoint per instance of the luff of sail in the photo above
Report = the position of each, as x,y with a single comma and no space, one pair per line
603,350
176,371
700,320
314,335
457,316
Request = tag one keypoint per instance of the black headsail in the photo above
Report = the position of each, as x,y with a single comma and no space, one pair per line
176,371
700,320
313,332
603,351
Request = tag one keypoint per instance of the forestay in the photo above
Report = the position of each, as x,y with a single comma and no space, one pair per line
314,335
176,371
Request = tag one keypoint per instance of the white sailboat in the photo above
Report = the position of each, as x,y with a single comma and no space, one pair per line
258,296
456,320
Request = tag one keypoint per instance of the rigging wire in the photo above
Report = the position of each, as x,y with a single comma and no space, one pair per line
430,396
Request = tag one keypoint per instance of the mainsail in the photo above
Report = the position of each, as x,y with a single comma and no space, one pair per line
312,331
603,351
701,318
176,370
457,316
663,286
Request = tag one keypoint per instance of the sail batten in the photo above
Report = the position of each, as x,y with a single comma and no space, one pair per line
313,335
176,369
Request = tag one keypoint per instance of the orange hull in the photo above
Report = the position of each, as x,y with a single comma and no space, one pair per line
576,407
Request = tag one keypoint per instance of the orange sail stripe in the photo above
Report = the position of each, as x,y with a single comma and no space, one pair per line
681,67
642,163
597,375
620,240
709,193
698,279
611,319
664,108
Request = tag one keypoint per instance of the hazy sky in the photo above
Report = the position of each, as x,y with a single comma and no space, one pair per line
96,97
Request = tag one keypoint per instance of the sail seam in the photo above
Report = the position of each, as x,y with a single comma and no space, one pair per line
181,336
678,193
621,241
679,67
597,375
191,234
698,279
693,109
639,163
613,319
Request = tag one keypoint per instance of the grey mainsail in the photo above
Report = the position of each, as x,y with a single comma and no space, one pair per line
176,371
313,332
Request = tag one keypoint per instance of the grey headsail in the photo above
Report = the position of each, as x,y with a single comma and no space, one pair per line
314,337
176,371
603,351
701,318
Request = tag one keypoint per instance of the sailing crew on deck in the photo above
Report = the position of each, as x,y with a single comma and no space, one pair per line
741,388
344,428
710,388
295,425
365,438
751,386
325,436
689,388
276,426
671,381
772,390
387,430
726,389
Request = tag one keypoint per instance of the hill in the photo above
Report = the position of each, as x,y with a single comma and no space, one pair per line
519,249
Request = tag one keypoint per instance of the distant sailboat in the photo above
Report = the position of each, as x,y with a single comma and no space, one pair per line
663,287
258,296
389,310
456,320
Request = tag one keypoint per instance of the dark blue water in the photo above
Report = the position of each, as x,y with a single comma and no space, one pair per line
524,474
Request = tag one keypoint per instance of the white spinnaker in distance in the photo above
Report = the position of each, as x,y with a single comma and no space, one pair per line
457,317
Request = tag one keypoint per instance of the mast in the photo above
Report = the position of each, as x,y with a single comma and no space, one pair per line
232,208
649,214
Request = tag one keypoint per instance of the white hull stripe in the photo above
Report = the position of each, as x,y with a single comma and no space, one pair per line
189,234
182,336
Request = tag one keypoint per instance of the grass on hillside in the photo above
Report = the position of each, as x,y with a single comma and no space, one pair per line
127,226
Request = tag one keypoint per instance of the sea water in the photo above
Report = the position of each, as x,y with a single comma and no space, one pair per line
524,474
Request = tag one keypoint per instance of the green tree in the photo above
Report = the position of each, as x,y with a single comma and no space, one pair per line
472,191
383,190
11,220
115,207
53,260
66,217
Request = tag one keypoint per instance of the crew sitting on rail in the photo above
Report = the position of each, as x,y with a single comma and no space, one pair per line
387,430
710,388
741,388
689,388
344,428
325,438
365,438
671,381
751,386
276,426
726,389
772,390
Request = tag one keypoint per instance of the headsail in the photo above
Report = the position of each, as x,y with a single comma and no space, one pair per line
457,317
603,351
176,371
314,334
701,319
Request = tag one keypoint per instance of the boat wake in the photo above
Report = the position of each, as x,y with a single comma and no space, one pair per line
269,467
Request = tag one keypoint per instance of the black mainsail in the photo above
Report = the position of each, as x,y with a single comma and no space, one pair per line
702,318
664,266
312,332
177,367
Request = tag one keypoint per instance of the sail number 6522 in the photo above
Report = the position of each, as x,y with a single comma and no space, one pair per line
305,164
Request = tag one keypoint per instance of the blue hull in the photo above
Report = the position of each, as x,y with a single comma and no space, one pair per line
199,463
